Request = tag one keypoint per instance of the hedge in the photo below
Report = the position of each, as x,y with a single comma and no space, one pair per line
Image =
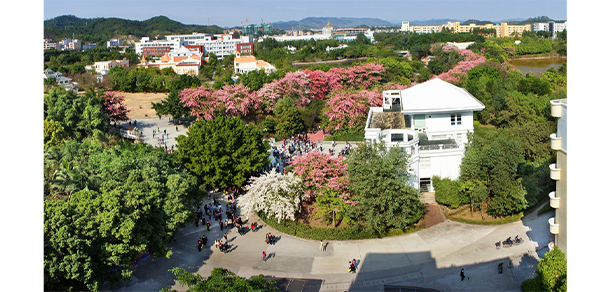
339,233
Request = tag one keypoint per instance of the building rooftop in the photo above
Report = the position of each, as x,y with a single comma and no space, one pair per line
387,120
437,95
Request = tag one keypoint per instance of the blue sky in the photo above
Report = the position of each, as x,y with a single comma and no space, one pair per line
233,12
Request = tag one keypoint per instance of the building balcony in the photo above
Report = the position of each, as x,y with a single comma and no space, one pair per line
555,171
556,108
555,142
554,200
426,144
554,227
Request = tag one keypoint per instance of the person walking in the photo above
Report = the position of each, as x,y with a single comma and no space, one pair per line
199,244
225,236
500,268
264,256
207,225
176,128
321,245
462,274
221,228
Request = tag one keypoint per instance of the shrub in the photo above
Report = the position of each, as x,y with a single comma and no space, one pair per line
447,192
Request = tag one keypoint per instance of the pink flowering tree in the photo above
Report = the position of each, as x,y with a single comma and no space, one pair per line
350,108
319,171
361,76
294,85
325,179
460,70
200,100
237,100
318,83
114,108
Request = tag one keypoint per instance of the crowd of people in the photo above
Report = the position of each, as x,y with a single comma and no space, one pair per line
297,146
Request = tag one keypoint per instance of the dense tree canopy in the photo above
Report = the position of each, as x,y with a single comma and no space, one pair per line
379,185
122,201
222,279
74,116
551,273
223,151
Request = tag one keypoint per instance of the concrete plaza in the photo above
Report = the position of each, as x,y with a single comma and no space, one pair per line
430,258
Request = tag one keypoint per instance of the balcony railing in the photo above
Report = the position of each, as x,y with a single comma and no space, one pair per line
438,146
556,110
555,171
554,227
555,142
554,200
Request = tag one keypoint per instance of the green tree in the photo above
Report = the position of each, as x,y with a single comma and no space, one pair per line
495,164
79,115
551,273
171,106
534,84
123,201
223,151
289,118
53,134
222,279
379,183
331,205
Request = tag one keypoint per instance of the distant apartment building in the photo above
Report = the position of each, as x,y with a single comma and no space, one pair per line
252,29
89,46
245,64
50,44
114,43
182,61
244,49
147,47
220,45
502,30
556,27
553,27
104,66
558,225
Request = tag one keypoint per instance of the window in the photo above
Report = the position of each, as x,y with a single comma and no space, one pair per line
456,119
396,137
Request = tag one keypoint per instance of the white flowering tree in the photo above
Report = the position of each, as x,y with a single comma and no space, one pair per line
275,194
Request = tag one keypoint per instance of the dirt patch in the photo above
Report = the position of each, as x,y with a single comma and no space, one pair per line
140,105
432,215
308,216
477,214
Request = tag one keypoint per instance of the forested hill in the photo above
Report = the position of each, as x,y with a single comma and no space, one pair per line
336,22
100,30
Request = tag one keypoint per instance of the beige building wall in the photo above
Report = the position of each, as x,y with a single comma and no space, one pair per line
561,213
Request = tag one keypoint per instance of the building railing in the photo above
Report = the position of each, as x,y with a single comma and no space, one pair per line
438,147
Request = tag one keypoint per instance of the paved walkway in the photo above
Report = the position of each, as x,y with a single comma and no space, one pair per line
431,258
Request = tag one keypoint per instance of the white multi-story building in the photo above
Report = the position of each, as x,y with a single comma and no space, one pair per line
245,64
103,67
114,43
556,27
430,122
553,27
559,172
220,45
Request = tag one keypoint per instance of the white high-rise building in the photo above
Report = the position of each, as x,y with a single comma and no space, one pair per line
558,225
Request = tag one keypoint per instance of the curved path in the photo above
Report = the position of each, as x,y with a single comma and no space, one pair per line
431,258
